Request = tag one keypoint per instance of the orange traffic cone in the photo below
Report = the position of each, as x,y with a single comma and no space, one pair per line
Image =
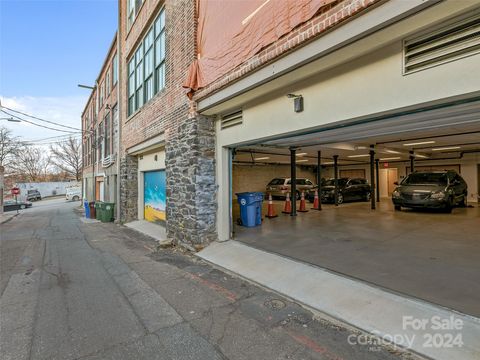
303,206
270,209
288,205
316,201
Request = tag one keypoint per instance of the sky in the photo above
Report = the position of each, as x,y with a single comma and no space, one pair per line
46,49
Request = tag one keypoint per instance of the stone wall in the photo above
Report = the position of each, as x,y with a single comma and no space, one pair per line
191,188
128,188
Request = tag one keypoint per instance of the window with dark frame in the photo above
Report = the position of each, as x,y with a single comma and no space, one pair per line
107,131
146,68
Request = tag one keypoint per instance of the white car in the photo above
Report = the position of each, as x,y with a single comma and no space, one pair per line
73,194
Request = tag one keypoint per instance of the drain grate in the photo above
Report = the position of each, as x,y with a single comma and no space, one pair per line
274,304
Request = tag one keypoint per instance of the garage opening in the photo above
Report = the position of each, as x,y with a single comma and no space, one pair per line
427,246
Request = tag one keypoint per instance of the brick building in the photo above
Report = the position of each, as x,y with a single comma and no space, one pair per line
100,121
179,155
167,159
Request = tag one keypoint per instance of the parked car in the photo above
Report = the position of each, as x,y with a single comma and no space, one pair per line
349,189
11,205
279,187
431,189
73,193
33,195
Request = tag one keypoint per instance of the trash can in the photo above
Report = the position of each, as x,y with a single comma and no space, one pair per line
98,210
107,212
87,209
91,205
250,208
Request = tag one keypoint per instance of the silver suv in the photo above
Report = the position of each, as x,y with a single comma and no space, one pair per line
279,187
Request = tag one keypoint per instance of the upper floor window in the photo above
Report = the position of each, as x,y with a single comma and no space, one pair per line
146,68
115,69
133,6
106,138
108,83
102,94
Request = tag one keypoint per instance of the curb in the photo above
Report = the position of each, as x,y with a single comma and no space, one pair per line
9,219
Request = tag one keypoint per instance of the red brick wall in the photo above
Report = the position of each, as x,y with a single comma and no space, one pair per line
329,17
164,111
109,98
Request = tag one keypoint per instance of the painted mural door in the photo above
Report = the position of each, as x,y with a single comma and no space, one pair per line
154,196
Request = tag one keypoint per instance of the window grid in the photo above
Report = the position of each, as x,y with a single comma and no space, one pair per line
146,68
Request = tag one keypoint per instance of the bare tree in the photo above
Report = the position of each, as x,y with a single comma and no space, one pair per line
32,163
67,155
9,147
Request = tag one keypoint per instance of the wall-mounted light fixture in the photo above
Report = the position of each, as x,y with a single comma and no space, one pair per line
297,102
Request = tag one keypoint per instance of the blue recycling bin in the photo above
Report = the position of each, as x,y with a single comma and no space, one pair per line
87,209
250,208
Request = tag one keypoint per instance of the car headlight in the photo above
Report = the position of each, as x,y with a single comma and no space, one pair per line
438,195
396,193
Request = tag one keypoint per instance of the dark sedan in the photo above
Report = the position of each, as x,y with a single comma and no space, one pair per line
349,189
12,205
431,189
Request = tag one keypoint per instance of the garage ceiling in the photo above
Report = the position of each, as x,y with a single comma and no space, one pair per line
435,133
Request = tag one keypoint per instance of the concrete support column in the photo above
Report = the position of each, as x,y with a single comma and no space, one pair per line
335,176
377,178
372,177
412,161
293,180
319,179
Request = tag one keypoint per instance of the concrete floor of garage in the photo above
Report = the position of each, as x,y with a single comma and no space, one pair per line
428,255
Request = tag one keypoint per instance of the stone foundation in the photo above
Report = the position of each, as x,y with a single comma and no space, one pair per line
191,188
128,188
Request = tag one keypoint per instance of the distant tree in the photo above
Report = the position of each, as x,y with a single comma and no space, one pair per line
32,163
67,156
9,148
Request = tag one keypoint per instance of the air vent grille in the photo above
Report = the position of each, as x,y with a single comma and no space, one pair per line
231,119
456,41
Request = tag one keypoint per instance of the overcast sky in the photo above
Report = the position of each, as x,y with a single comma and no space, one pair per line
46,49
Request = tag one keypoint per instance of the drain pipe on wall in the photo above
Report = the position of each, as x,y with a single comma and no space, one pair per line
119,112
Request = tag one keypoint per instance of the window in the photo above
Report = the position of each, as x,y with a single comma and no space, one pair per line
133,6
106,138
115,69
146,68
102,94
107,81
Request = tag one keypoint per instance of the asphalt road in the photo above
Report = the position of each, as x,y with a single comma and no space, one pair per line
72,289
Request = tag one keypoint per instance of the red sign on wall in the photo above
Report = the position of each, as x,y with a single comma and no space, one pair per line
15,191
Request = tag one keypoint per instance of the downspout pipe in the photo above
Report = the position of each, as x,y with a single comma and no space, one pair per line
119,112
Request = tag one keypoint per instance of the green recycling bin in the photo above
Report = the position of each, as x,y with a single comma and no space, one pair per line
107,212
98,210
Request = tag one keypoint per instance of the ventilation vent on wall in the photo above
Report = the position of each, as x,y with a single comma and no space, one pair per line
453,42
231,119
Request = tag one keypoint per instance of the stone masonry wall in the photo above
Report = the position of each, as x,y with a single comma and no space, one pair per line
129,188
191,188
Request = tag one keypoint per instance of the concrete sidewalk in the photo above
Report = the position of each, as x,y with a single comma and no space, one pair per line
155,231
7,216
372,309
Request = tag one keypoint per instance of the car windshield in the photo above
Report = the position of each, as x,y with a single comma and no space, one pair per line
426,179
277,181
331,182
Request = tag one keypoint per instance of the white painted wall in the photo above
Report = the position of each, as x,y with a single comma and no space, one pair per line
46,188
148,162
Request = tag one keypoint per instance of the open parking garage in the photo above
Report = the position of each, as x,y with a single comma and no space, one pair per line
425,253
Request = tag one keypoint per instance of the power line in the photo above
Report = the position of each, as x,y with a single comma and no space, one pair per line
40,119
42,126
66,136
